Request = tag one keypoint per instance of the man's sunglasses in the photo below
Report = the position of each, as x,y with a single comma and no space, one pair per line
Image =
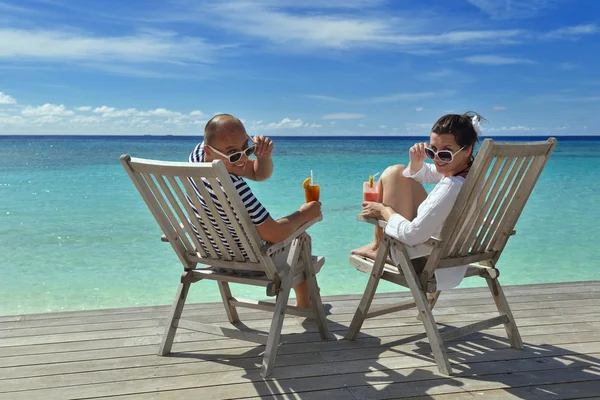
445,156
235,157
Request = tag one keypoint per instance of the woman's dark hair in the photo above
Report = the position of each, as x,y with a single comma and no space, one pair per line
460,126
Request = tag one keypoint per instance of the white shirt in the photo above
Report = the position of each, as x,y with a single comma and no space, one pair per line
431,215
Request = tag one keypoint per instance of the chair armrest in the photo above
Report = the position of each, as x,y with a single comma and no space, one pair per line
270,248
374,221
432,241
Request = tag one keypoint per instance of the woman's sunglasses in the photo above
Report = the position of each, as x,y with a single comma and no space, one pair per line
235,157
445,156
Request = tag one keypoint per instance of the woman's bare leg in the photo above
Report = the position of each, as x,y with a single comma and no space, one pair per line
403,194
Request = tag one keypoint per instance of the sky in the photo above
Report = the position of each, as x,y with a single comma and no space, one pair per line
290,67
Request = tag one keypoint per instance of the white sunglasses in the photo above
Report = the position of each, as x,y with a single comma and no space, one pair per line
235,157
445,156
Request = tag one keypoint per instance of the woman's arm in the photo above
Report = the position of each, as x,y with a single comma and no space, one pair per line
431,217
427,174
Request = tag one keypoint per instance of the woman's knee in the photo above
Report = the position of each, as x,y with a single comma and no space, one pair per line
393,172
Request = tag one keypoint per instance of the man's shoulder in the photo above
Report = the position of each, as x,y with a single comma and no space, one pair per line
197,155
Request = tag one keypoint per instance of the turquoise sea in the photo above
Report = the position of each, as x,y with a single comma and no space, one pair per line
75,234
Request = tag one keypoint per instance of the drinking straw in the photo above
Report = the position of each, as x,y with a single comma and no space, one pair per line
311,178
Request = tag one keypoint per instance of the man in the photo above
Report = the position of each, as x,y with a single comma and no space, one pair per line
225,139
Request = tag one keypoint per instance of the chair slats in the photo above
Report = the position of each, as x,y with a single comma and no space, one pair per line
234,222
480,222
505,197
192,224
173,221
463,242
193,196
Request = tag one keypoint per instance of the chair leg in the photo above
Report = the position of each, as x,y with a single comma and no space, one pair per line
276,325
420,297
232,314
313,288
432,298
367,298
174,315
512,331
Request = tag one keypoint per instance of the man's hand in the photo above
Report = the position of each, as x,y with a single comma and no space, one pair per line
263,146
260,169
312,210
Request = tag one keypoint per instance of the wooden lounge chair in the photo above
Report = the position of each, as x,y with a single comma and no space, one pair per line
166,188
483,218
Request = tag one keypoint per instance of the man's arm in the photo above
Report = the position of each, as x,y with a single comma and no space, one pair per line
260,169
274,231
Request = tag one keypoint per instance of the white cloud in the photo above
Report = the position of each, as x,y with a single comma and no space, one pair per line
383,126
419,109
505,9
160,112
316,28
197,113
149,46
114,113
47,109
287,123
396,97
571,32
12,120
104,109
496,60
498,108
47,119
6,99
313,125
516,128
361,125
324,98
83,108
343,116
85,119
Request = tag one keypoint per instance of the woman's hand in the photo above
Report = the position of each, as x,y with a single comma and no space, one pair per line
417,153
417,157
371,209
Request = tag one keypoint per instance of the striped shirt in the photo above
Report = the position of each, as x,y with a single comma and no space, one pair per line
258,213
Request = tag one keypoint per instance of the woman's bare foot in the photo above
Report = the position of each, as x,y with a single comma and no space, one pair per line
368,250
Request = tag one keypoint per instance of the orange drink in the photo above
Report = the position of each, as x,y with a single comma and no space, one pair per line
312,191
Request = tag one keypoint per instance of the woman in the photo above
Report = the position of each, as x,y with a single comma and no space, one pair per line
413,216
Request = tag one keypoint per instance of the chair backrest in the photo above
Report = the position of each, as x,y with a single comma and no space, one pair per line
491,200
200,212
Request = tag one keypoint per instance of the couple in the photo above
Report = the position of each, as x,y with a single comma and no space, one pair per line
412,215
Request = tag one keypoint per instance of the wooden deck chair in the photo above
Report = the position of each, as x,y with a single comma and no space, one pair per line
165,188
483,218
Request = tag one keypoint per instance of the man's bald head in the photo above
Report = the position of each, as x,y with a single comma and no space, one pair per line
221,124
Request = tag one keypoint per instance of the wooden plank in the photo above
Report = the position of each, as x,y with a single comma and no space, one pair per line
513,290
141,165
553,334
325,376
474,327
543,316
192,310
561,391
289,355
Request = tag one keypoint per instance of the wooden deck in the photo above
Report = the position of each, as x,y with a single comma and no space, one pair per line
112,353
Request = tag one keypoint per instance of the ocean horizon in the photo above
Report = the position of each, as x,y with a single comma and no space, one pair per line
75,234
